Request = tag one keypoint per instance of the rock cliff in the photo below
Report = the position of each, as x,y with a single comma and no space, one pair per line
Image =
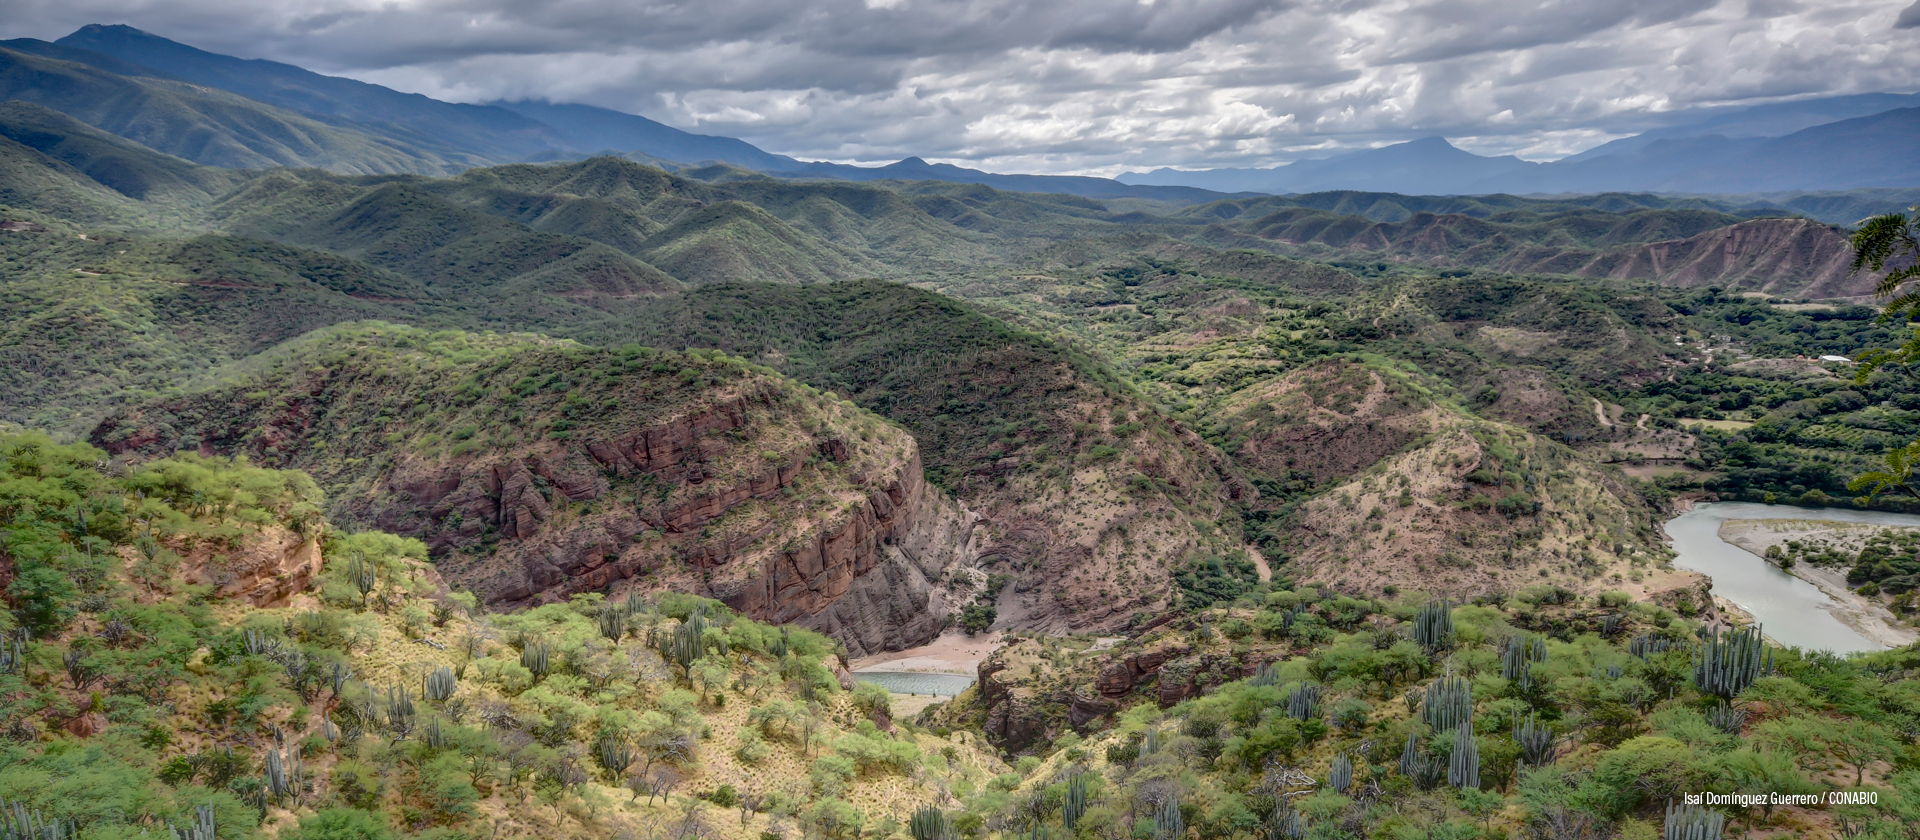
691,473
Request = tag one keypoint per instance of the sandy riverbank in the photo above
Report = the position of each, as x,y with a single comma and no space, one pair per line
953,652
1865,615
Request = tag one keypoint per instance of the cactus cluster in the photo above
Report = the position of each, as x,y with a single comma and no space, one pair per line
1517,653
1433,625
1463,764
1447,703
537,658
434,737
1151,743
362,575
1727,662
612,621
1611,625
19,823
613,752
1285,824
930,823
200,829
257,643
1727,719
13,652
400,712
1425,769
1643,645
284,775
439,685
1268,674
1340,777
686,643
1167,821
1074,805
1538,745
1304,703
1693,822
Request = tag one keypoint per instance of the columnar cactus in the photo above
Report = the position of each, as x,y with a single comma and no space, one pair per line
434,737
1425,769
614,754
1447,703
537,658
1516,653
200,829
1433,625
19,823
1537,742
1644,645
1267,674
930,823
1729,662
361,574
612,622
1340,777
1285,824
439,685
1727,719
1463,766
1693,822
400,712
13,653
1074,804
1167,821
1304,703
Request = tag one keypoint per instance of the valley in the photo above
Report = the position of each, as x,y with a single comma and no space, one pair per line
359,484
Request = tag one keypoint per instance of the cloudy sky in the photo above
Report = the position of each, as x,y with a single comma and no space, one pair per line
1084,86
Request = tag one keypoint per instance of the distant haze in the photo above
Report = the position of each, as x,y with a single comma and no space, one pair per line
1079,86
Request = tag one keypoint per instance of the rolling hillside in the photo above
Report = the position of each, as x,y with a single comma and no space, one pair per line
201,125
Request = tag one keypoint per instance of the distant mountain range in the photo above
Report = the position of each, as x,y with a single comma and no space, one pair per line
1841,143
249,113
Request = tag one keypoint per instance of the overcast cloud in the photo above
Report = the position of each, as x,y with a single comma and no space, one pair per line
1087,86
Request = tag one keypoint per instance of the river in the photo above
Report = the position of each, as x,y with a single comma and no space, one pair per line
909,682
1790,609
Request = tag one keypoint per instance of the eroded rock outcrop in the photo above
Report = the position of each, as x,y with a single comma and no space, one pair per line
554,470
264,569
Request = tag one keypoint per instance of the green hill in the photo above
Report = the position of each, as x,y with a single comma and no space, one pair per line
125,167
202,125
209,650
1095,499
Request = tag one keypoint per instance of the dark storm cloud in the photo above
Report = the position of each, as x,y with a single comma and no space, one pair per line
1075,85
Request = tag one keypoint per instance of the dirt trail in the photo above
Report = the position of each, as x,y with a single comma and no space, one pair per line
1600,413
1260,563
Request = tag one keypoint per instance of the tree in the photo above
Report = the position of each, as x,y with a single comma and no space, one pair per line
342,823
1768,770
977,618
709,673
1893,240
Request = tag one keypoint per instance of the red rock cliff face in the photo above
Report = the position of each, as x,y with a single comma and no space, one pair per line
647,510
762,498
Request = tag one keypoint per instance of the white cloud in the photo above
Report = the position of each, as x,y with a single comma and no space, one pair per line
1094,86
